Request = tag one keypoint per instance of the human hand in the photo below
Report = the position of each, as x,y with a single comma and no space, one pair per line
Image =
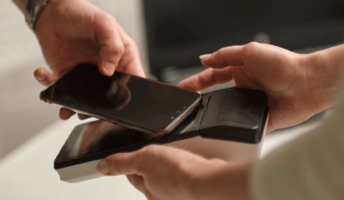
298,86
74,31
165,173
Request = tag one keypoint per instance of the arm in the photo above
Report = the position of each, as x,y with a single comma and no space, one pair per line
298,86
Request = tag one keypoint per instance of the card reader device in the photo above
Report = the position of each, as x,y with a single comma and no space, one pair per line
229,124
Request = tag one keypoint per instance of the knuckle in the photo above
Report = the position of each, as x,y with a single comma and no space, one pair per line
140,157
250,49
102,17
146,151
213,78
220,52
115,163
118,48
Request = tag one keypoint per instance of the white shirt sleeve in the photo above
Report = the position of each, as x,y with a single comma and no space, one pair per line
311,167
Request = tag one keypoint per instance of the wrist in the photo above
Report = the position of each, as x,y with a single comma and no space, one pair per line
58,14
55,8
326,63
322,75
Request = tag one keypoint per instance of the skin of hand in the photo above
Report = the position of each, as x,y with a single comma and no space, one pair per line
298,86
167,173
74,31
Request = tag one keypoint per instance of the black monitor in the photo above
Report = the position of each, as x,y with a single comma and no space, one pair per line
178,31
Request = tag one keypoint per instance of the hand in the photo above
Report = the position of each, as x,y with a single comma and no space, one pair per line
166,173
74,31
298,86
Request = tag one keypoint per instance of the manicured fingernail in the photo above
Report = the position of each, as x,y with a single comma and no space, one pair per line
109,68
103,167
40,78
205,56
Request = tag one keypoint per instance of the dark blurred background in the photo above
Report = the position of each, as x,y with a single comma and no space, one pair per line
179,31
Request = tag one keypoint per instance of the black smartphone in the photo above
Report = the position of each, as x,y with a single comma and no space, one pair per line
130,101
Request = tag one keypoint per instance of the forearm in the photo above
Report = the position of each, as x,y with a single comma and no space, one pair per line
332,57
21,4
324,67
320,76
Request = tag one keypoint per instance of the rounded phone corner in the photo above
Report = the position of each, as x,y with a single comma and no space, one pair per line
46,95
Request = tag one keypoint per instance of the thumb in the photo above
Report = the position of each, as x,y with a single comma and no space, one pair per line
44,77
121,164
111,45
207,78
228,56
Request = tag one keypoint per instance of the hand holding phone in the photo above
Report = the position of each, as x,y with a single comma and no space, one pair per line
130,101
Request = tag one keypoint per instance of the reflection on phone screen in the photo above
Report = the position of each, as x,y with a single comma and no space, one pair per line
100,136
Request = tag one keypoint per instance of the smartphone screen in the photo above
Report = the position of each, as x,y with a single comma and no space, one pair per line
97,137
124,99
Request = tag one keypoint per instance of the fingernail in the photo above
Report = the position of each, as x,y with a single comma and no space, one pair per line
205,56
103,167
109,68
40,78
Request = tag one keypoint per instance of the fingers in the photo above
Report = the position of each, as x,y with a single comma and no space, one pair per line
82,116
130,61
121,163
225,61
106,30
118,51
228,56
208,78
65,113
44,77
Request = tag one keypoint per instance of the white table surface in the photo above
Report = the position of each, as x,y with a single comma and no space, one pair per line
28,173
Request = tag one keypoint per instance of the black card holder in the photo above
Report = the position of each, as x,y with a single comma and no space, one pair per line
234,114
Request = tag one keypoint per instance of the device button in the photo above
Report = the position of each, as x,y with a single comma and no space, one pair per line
138,129
109,121
122,124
